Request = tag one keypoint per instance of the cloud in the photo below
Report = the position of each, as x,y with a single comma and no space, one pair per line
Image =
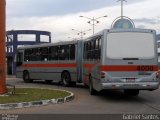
30,8
52,7
141,26
147,20
143,13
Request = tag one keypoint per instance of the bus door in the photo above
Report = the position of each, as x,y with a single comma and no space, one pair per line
79,61
19,58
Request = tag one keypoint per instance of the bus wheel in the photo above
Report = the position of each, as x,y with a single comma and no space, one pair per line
73,84
66,79
91,89
131,92
26,77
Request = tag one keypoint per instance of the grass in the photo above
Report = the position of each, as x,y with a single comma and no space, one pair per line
32,94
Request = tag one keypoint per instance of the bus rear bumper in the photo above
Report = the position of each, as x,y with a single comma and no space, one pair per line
140,86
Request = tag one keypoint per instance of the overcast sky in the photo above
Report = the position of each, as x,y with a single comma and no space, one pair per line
61,16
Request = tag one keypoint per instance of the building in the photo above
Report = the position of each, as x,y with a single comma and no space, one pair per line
17,38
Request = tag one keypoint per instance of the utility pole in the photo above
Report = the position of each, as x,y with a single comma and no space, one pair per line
81,33
3,89
93,21
122,6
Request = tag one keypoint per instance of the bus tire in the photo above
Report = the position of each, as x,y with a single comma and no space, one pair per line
66,79
73,84
91,89
131,92
26,77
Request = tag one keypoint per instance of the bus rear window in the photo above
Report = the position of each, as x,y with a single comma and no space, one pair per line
130,45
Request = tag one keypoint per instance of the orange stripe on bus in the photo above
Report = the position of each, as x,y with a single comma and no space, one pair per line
126,68
49,65
122,67
88,65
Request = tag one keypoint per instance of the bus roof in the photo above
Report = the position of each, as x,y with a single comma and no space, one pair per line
48,44
120,30
86,39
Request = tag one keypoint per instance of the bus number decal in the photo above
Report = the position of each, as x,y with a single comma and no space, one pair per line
145,68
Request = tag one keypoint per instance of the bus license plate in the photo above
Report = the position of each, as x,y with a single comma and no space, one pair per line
130,79
131,85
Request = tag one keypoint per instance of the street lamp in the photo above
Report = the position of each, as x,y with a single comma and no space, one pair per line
93,21
81,33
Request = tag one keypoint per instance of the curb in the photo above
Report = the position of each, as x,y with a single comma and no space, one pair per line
38,103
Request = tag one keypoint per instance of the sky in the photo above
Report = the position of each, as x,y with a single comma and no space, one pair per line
61,16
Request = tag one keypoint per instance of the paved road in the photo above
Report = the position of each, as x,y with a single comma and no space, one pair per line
109,102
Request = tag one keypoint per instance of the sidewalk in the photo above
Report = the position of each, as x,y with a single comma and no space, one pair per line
10,76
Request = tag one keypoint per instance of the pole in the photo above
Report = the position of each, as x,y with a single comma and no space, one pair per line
93,25
81,34
121,8
93,21
3,88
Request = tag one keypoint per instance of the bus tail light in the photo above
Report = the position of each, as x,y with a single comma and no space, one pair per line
157,75
102,75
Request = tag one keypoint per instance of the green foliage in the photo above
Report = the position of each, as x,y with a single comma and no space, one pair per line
32,94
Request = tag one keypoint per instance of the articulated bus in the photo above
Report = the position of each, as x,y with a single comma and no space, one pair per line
122,59
48,62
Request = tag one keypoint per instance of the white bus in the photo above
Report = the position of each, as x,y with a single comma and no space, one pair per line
123,59
56,61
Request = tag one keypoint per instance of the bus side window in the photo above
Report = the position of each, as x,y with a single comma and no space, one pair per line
32,55
27,55
64,52
93,44
36,54
94,50
44,54
19,61
60,53
93,47
97,43
67,52
99,48
72,52
100,43
54,53
89,50
84,49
